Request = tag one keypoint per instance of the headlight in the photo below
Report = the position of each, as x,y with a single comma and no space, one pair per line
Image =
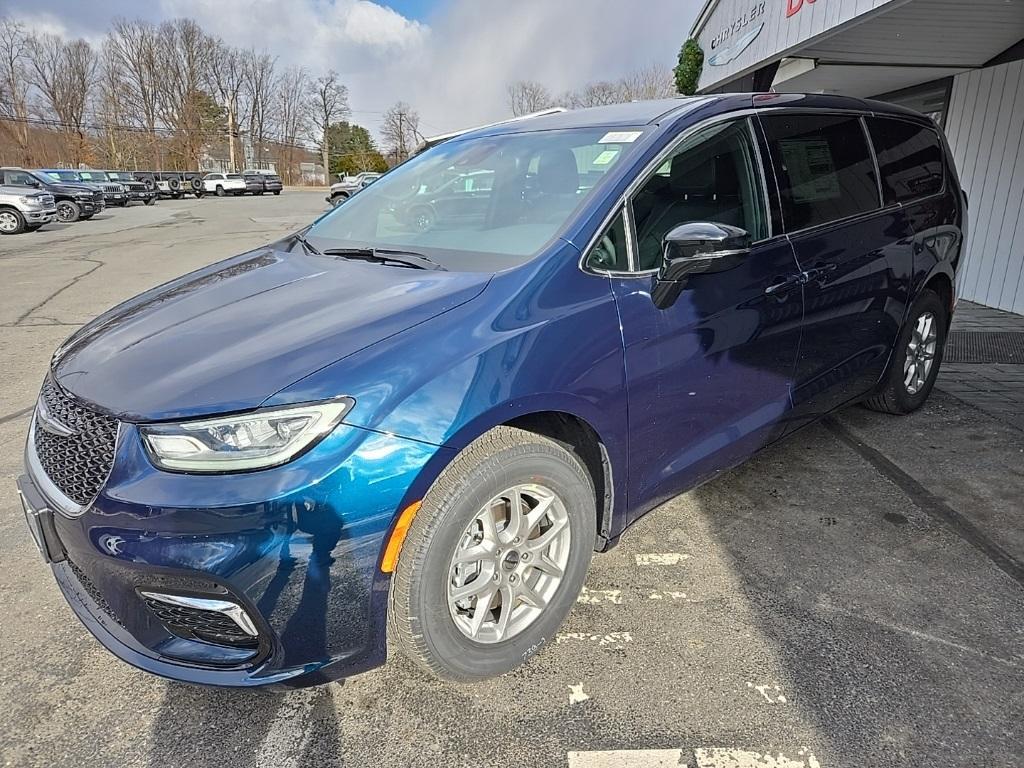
31,202
247,441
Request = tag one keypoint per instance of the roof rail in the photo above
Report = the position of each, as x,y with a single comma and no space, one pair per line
431,141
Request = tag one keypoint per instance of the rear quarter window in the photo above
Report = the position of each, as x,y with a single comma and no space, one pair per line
824,168
909,158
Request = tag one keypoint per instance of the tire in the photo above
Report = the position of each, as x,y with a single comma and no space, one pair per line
199,194
336,200
68,211
220,191
11,221
277,191
149,201
422,218
422,620
901,392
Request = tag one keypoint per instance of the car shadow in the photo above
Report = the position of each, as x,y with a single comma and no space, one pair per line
216,727
884,627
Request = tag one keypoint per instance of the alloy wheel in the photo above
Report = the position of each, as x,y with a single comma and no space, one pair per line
509,563
8,222
920,353
65,212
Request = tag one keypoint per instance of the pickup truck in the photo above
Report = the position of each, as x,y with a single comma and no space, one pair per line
74,201
23,210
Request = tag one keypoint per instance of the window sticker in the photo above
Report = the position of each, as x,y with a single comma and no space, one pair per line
606,157
812,172
620,137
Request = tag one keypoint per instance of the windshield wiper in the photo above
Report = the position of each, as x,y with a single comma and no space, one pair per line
301,237
386,256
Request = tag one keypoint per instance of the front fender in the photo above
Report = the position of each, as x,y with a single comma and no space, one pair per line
544,337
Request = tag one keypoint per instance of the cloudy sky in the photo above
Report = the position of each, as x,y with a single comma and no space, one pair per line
451,59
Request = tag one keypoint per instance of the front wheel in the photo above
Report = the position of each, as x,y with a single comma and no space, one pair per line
220,191
915,359
11,221
67,211
149,201
495,557
277,191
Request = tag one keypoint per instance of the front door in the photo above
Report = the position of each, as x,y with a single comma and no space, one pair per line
709,376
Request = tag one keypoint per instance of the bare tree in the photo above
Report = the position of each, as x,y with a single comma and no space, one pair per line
526,96
652,82
400,130
183,104
227,77
14,85
259,85
65,74
290,110
132,48
592,95
329,104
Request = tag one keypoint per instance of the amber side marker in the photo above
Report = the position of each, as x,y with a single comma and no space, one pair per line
390,559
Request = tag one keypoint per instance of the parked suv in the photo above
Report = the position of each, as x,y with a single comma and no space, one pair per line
114,192
73,201
222,184
350,185
172,184
24,211
258,182
371,423
137,190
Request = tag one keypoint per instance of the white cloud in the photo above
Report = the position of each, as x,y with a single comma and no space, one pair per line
454,72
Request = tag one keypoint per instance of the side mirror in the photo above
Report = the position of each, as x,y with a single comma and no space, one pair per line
696,248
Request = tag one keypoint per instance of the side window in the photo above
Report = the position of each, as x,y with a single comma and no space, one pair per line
909,157
20,179
711,177
824,168
610,251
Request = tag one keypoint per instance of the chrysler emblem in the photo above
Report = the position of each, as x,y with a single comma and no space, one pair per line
51,423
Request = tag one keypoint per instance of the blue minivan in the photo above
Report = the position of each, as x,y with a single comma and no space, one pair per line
417,425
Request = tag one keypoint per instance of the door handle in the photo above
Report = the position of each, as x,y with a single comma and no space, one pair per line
790,282
819,274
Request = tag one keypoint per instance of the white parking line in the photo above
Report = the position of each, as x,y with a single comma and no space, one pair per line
717,757
628,758
661,558
594,596
609,638
710,757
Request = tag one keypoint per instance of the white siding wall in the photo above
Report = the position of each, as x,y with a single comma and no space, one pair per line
779,35
985,127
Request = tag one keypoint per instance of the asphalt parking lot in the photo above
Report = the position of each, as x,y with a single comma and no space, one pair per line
851,597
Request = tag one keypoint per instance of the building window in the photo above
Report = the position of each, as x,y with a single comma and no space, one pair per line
930,99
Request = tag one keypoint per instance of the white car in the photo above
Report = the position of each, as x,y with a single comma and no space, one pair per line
224,184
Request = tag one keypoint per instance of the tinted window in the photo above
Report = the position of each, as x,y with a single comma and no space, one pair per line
20,178
711,177
910,159
610,251
824,168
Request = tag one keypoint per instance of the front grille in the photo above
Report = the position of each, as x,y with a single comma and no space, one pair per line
46,200
79,463
208,626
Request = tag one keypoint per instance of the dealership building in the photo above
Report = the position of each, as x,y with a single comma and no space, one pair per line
959,61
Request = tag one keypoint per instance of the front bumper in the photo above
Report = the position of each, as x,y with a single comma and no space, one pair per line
90,205
141,194
43,216
297,547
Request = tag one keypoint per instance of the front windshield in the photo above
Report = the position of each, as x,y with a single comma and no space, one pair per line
481,203
63,175
93,176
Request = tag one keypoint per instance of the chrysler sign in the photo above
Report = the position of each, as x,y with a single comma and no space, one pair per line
737,37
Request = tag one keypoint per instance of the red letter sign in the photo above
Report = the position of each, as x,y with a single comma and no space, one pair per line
793,6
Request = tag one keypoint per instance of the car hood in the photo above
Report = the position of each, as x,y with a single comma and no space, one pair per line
70,189
229,336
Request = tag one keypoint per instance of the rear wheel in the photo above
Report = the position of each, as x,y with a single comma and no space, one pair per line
11,221
916,358
277,191
495,557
